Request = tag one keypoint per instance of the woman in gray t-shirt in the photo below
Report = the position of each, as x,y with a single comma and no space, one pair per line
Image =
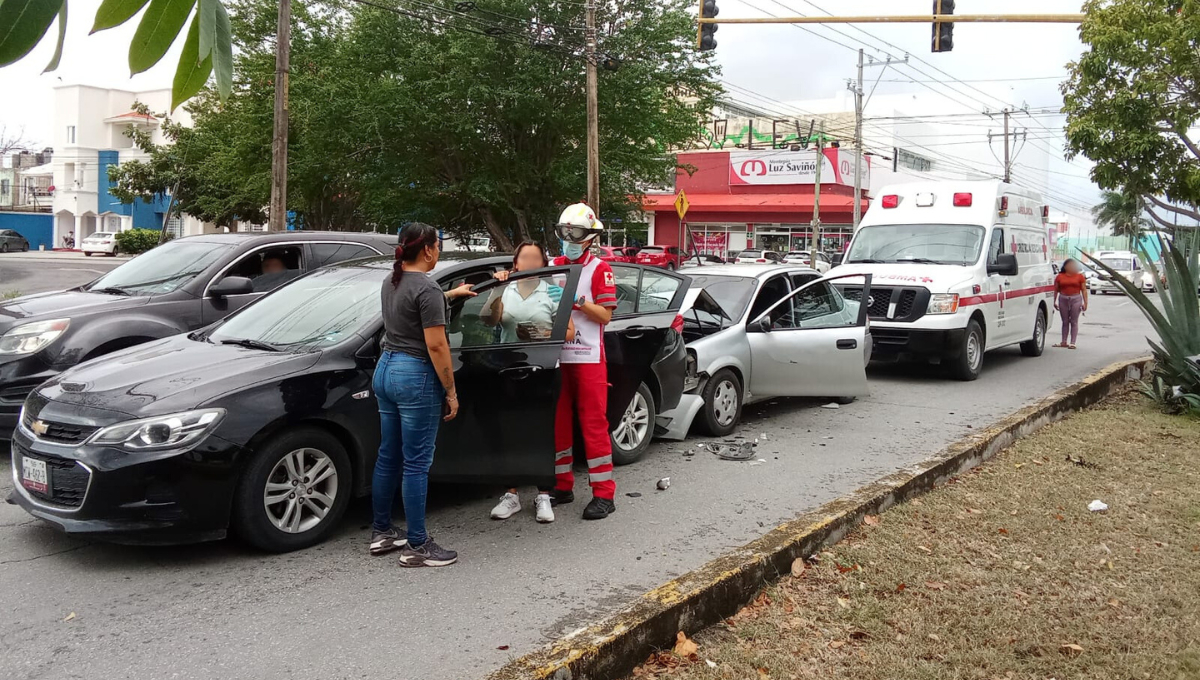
414,384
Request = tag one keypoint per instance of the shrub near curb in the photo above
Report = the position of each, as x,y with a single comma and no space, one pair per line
136,241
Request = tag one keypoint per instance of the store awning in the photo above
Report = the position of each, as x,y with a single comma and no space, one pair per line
749,203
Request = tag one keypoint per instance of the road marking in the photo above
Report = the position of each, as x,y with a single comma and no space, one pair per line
93,271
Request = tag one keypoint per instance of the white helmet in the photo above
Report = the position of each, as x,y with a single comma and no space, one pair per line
578,224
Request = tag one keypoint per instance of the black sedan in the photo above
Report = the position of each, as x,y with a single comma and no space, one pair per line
265,423
180,286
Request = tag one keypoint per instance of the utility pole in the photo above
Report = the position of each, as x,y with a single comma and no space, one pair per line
816,220
1007,158
858,151
283,41
593,113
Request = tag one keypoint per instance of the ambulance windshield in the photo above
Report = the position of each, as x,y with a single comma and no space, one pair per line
956,244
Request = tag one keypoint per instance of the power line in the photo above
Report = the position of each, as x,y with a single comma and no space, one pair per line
990,80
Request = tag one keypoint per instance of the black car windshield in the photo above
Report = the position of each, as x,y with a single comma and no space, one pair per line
317,311
733,293
917,243
162,269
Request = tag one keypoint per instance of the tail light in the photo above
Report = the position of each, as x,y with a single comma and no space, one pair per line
1004,206
891,201
963,200
677,324
1045,213
761,259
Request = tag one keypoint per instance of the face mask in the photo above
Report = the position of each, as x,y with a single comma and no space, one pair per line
573,251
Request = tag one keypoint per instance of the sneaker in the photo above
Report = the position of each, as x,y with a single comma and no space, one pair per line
383,542
428,554
558,497
509,505
545,511
599,508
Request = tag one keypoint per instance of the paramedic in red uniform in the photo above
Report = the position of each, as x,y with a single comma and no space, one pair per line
585,373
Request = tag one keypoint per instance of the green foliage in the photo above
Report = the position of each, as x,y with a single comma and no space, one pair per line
392,121
1135,93
136,241
23,23
192,72
1177,324
1170,399
1122,213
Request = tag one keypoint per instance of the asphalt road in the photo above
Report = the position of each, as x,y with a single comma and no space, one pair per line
26,273
75,609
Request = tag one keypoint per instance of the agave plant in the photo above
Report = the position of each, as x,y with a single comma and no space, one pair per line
1177,324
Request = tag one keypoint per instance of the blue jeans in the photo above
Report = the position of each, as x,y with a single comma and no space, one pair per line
410,408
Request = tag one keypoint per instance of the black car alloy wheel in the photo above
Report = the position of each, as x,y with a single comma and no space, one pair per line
294,491
631,437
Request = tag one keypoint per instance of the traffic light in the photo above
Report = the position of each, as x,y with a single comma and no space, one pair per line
706,38
943,32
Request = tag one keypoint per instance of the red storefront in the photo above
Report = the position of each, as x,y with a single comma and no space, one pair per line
758,199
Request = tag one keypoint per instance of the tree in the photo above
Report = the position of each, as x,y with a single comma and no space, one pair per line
1122,213
397,117
1133,99
207,48
12,141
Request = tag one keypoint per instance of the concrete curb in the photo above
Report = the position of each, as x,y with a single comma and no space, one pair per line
718,589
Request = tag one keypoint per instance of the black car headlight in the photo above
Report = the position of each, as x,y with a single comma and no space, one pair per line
161,433
32,337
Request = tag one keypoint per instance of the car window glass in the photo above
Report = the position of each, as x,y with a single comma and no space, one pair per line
473,277
520,311
704,318
818,306
996,247
656,292
268,268
733,293
626,280
332,253
316,311
772,291
163,269
799,280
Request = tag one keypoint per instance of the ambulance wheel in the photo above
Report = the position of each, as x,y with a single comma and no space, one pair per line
969,362
1034,346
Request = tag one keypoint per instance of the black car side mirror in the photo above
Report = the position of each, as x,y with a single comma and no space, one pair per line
762,325
1005,265
368,355
231,285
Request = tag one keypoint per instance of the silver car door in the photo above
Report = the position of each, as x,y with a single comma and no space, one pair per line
813,343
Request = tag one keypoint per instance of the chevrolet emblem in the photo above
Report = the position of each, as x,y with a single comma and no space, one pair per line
39,427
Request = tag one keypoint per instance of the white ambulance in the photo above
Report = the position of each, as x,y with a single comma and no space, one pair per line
959,269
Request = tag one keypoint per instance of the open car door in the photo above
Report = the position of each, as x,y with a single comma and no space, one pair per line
812,343
507,374
648,300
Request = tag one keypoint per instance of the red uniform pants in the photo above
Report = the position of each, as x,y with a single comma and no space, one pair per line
584,391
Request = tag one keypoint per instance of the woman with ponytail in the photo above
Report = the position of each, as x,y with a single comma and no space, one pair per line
414,384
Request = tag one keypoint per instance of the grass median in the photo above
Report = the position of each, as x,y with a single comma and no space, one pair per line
1002,574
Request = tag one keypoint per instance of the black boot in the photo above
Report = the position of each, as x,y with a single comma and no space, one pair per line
558,497
599,508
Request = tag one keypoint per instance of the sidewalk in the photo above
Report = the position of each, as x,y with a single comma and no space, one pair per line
59,256
1003,574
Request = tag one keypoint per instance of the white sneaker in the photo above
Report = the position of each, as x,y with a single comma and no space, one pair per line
545,513
509,505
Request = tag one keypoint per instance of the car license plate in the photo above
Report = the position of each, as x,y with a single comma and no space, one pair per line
33,475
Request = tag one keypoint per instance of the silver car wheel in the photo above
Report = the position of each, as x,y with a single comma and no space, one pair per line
634,425
974,351
725,402
1039,331
300,490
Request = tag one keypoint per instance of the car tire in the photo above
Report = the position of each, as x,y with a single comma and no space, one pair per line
3,247
86,254
1037,344
969,362
844,401
259,525
631,438
111,254
670,266
722,403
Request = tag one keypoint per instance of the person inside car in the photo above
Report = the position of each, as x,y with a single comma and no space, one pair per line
584,369
275,272
525,311
414,384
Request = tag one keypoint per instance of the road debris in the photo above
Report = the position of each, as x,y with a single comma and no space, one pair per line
1097,506
664,484
634,494
831,405
732,450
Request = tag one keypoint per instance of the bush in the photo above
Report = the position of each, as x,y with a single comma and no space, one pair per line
137,241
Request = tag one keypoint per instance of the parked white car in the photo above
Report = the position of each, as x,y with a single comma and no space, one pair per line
1127,265
804,258
100,242
755,256
757,332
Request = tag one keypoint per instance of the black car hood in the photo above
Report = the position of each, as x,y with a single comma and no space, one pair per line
171,375
62,304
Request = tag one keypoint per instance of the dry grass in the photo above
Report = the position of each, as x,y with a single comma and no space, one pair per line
1002,574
